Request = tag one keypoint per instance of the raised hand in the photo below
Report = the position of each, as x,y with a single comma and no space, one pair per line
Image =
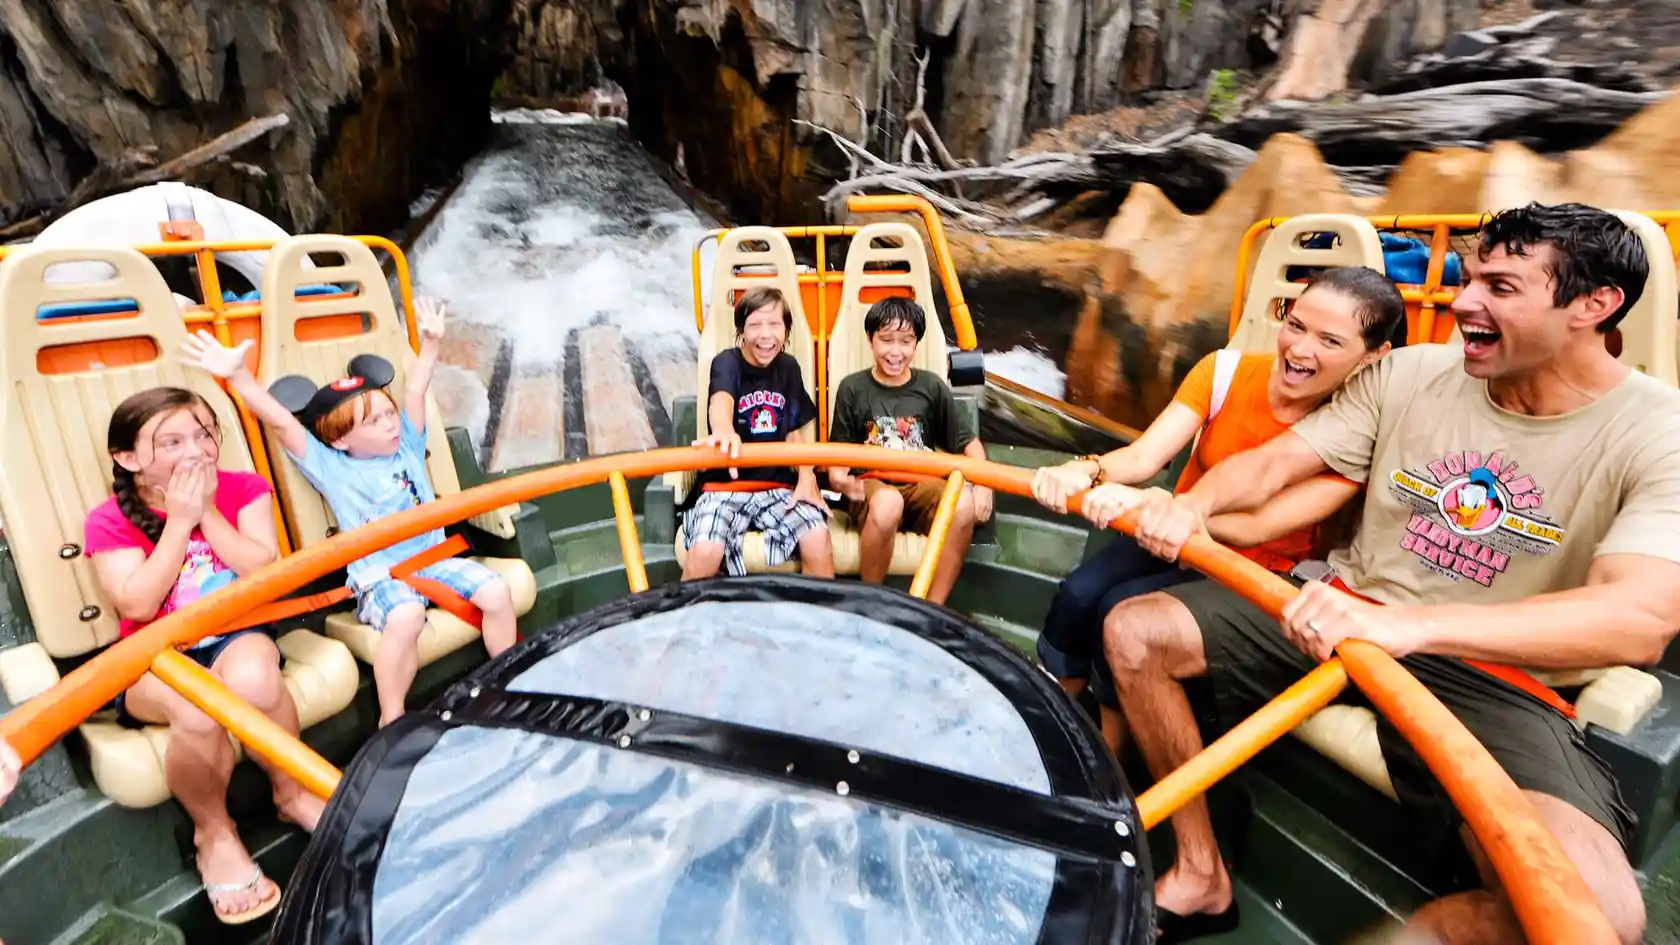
428,316
201,350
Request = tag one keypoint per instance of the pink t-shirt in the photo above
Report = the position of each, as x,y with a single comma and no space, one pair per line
107,529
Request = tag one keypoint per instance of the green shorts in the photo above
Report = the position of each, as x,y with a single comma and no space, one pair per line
1250,661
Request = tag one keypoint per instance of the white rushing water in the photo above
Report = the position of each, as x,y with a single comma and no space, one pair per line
564,260
562,224
1029,368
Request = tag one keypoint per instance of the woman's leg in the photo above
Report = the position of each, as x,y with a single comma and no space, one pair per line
1072,636
250,666
197,766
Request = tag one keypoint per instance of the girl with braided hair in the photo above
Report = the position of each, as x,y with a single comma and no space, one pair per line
175,529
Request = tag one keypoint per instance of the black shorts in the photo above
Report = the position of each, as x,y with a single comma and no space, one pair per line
1250,662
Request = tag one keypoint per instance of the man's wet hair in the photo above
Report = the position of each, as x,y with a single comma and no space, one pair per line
1377,303
895,312
1592,249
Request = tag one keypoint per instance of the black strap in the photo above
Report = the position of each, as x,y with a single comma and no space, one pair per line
1069,827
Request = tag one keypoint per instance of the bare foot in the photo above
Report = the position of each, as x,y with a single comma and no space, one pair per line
224,862
300,807
1180,892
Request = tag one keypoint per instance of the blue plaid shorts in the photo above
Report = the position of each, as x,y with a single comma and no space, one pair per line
726,517
461,575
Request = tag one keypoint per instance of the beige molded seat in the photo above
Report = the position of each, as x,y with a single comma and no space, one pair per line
848,352
323,361
1615,698
1356,244
740,266
56,469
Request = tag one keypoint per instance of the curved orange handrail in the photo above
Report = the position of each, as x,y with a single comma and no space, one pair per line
1553,902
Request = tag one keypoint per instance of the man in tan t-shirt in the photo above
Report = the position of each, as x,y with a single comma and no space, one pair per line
1522,508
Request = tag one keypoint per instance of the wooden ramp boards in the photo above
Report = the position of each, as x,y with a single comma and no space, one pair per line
606,392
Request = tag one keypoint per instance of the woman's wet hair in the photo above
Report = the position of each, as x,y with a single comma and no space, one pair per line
121,436
1378,307
755,299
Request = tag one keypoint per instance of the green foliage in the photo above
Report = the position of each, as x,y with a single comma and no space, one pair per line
1222,93
1185,6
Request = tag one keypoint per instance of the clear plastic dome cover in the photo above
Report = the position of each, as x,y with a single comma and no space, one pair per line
534,823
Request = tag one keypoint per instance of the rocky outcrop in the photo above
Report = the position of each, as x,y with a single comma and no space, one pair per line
1156,287
384,97
736,86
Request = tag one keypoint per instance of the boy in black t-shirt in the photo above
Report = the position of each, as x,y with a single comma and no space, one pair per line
894,405
757,395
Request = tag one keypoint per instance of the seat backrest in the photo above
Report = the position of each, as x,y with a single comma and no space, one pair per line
289,348
54,467
1650,338
1649,334
740,265
907,272
1355,243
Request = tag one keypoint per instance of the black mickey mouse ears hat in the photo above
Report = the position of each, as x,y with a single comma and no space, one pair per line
310,403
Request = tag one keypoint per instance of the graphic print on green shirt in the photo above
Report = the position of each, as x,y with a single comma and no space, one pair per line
920,414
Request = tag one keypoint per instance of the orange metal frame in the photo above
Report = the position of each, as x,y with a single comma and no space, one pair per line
823,292
1423,302
1552,901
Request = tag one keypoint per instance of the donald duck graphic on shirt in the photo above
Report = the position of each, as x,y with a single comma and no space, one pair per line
1472,513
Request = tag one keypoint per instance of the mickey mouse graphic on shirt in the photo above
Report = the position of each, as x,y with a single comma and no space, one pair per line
763,410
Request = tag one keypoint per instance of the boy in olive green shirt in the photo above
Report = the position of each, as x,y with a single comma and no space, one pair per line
899,407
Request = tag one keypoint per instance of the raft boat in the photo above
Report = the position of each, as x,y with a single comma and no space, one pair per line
763,759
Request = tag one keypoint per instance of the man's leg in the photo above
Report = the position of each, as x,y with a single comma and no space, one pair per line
1156,640
1572,789
1152,642
1485,917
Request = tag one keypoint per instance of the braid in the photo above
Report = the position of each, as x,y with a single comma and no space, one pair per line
135,509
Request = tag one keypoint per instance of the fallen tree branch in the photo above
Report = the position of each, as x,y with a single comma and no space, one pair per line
138,168
1545,114
1192,171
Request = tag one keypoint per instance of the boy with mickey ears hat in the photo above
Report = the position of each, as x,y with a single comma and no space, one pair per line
367,458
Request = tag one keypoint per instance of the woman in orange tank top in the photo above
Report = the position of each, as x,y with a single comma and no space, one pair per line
1228,403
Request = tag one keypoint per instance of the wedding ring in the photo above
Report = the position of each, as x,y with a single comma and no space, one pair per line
1312,625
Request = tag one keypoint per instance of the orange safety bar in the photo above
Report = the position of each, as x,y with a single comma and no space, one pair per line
629,543
1552,901
822,292
940,530
1421,301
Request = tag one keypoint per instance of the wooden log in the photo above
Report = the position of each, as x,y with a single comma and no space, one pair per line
1544,114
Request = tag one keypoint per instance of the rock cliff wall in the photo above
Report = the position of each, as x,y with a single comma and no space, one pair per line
728,85
384,97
